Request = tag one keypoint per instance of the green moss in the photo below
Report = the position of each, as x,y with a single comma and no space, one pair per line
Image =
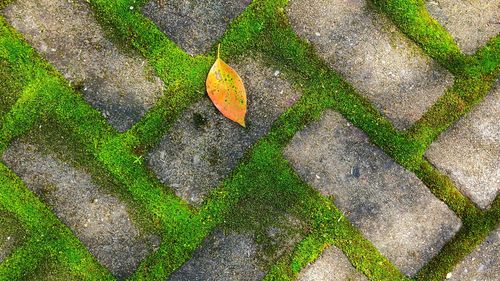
12,233
263,191
270,207
56,139
10,87
475,228
199,121
183,74
51,271
413,19
4,3
443,188
47,235
457,101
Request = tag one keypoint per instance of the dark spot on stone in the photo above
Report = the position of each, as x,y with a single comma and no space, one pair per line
355,172
213,157
199,121
47,189
79,86
366,209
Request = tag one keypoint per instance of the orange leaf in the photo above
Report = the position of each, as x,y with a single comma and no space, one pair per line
226,90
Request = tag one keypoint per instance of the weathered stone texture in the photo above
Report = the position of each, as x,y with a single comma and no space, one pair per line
203,146
471,22
195,25
373,55
222,257
332,265
469,152
483,264
99,220
390,205
66,33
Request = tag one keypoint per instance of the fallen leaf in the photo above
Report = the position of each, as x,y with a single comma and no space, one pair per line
226,90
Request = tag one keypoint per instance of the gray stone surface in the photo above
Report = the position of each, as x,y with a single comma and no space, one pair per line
195,25
332,265
373,55
471,22
469,152
390,206
222,257
203,146
245,254
483,264
11,234
66,33
99,220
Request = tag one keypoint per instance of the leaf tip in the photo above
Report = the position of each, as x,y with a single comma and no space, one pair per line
242,122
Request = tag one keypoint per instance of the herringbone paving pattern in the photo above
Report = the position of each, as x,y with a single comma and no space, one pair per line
371,151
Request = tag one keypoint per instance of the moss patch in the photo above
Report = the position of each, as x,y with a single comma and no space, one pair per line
56,139
10,88
12,233
263,190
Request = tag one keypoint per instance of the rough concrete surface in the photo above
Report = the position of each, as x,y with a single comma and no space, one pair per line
390,205
471,22
195,25
222,257
483,264
99,220
203,146
469,152
373,55
332,265
67,34
243,254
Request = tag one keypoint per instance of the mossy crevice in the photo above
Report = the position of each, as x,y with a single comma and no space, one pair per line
263,178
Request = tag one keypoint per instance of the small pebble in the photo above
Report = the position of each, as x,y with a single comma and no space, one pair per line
196,160
448,276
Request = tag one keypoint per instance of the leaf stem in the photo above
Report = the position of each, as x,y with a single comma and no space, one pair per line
218,51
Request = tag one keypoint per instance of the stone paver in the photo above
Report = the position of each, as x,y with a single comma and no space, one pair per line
332,265
195,25
237,255
203,146
390,206
370,52
66,33
471,22
483,264
11,234
99,220
469,152
223,256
